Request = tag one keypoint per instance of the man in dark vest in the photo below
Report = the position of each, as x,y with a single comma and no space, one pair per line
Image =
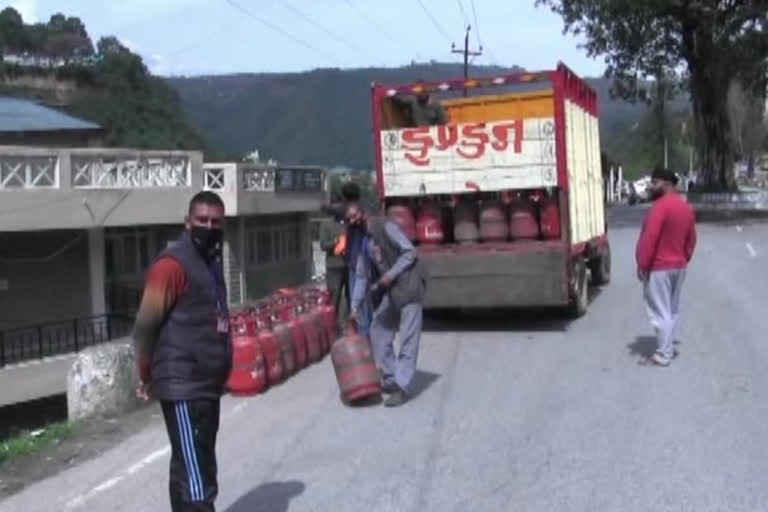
333,243
389,269
184,351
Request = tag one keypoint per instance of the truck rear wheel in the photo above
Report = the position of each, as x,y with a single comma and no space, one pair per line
580,292
601,267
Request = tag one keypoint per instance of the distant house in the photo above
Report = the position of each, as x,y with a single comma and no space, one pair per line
26,122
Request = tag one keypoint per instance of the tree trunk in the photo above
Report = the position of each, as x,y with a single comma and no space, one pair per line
710,109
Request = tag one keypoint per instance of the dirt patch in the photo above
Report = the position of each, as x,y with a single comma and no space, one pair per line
90,440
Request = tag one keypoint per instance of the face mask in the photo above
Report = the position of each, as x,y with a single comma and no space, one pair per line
208,241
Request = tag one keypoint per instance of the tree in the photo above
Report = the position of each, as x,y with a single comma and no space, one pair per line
110,45
12,33
710,42
746,112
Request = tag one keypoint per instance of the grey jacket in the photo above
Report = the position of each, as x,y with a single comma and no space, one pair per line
391,254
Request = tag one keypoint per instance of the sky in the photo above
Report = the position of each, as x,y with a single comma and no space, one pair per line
194,37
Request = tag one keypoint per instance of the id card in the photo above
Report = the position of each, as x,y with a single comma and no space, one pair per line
222,324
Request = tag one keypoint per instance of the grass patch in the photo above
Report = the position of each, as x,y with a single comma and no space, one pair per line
32,441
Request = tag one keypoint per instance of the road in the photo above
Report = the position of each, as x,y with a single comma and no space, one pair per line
532,415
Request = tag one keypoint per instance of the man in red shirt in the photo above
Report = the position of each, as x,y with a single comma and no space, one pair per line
664,250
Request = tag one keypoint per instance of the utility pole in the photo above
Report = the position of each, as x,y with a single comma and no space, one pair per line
467,54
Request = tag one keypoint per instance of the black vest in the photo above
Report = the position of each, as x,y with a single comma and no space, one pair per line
191,359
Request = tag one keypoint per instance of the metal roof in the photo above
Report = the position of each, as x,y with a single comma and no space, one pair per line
22,115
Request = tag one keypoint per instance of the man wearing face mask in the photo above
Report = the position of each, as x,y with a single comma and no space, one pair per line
184,352
664,250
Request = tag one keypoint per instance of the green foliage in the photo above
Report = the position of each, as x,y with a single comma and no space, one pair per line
30,442
715,42
115,89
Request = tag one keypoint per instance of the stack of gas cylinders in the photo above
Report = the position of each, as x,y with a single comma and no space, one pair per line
479,218
277,337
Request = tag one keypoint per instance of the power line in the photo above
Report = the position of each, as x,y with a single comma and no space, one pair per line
374,24
329,32
463,12
436,23
494,61
279,30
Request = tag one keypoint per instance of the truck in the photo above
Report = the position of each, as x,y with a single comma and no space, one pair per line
502,193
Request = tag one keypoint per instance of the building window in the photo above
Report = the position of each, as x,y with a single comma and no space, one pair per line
264,247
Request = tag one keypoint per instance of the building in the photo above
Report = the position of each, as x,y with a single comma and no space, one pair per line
28,123
79,227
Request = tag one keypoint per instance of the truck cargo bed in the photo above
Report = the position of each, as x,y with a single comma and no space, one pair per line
517,274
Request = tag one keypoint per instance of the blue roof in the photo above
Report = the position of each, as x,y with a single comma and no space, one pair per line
22,115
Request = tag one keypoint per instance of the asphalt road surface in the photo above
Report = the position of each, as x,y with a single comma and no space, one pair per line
513,414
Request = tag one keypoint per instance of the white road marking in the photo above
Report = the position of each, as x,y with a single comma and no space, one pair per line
79,501
751,250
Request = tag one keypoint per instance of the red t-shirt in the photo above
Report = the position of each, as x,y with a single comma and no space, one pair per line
668,237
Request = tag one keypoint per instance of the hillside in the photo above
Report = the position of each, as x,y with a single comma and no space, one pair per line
57,63
323,116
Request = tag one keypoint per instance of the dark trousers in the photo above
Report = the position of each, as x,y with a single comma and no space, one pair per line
192,428
336,280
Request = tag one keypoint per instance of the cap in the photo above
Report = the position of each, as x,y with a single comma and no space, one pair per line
660,173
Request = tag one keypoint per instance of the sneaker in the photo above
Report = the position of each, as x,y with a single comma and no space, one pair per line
389,387
395,399
660,360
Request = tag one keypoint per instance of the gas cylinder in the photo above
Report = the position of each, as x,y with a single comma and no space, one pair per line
523,224
403,216
248,375
355,369
550,219
328,312
287,317
465,229
287,348
493,222
311,333
429,225
267,343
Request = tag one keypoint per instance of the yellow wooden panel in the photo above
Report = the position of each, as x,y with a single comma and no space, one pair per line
499,107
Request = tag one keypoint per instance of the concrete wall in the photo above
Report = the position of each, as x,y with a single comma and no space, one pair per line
66,206
47,277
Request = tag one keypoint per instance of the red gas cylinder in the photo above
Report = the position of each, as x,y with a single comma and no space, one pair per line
523,224
328,312
269,346
288,319
429,225
249,375
465,229
287,349
402,215
356,371
311,334
550,219
493,222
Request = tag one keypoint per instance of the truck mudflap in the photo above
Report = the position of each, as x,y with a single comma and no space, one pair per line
522,274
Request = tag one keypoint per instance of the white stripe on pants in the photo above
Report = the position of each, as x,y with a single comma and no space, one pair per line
662,302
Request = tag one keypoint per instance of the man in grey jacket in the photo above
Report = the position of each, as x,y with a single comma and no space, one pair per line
390,270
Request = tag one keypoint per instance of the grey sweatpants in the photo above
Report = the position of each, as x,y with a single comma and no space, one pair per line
662,302
388,321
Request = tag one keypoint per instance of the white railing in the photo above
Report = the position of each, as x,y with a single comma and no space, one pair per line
129,171
259,179
29,172
214,178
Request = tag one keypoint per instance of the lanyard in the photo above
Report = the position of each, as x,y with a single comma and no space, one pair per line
216,287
